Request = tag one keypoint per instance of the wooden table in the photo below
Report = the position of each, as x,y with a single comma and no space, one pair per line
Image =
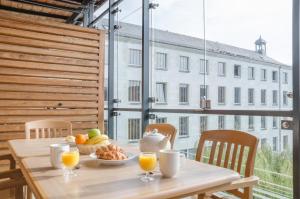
95,181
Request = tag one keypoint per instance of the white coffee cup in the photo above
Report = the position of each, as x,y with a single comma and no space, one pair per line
169,163
56,151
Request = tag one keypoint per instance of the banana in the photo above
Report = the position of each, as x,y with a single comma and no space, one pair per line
97,139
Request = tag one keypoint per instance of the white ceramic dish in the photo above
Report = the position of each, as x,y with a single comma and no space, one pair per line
130,156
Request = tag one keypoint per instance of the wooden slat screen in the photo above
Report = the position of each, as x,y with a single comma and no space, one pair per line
49,70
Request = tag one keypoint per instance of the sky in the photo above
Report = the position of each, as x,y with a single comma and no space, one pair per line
234,22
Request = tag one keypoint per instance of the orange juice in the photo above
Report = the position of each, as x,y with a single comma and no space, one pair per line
147,162
70,159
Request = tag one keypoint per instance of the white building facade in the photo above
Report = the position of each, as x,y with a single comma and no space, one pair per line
231,78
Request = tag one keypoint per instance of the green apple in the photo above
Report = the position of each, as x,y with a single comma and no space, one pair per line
93,133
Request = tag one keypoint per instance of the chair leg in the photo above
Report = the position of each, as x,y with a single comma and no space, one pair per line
201,196
19,192
248,193
29,192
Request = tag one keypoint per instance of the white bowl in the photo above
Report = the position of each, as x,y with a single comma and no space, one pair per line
130,156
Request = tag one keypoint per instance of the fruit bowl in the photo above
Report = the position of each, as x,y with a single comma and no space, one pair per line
87,149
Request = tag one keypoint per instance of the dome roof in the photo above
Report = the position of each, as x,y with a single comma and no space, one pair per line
260,41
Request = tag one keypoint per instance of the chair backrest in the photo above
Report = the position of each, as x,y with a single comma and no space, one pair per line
243,144
165,129
48,128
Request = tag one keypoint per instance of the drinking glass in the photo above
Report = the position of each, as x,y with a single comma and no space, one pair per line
147,162
70,159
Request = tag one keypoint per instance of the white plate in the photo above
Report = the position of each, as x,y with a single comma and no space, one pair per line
130,156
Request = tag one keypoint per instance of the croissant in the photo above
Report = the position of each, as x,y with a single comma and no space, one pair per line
111,152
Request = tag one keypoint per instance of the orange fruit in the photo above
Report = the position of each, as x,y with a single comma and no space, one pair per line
80,139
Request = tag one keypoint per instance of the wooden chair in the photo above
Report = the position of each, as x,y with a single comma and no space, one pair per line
165,129
221,154
48,128
12,179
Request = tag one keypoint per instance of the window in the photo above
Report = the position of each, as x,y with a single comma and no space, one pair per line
203,91
184,64
274,123
105,90
221,69
203,66
161,92
221,122
274,97
263,122
251,74
263,74
263,94
263,142
221,95
203,123
105,127
183,93
251,96
251,122
285,142
274,143
134,129
274,76
237,122
161,61
285,77
134,91
135,57
237,96
161,120
284,98
237,71
183,126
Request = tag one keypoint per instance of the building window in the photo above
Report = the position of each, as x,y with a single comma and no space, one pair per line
203,66
237,71
285,142
105,90
263,94
263,142
203,123
263,75
251,122
183,126
274,76
221,95
135,57
237,95
274,97
161,92
161,120
251,73
274,123
274,143
221,122
285,77
105,127
251,96
183,93
221,68
203,91
134,91
134,129
284,98
263,122
184,64
237,122
161,61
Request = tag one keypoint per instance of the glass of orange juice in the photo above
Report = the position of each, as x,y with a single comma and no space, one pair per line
70,159
147,161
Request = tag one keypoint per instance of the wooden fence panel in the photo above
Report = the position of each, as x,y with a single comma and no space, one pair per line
49,70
